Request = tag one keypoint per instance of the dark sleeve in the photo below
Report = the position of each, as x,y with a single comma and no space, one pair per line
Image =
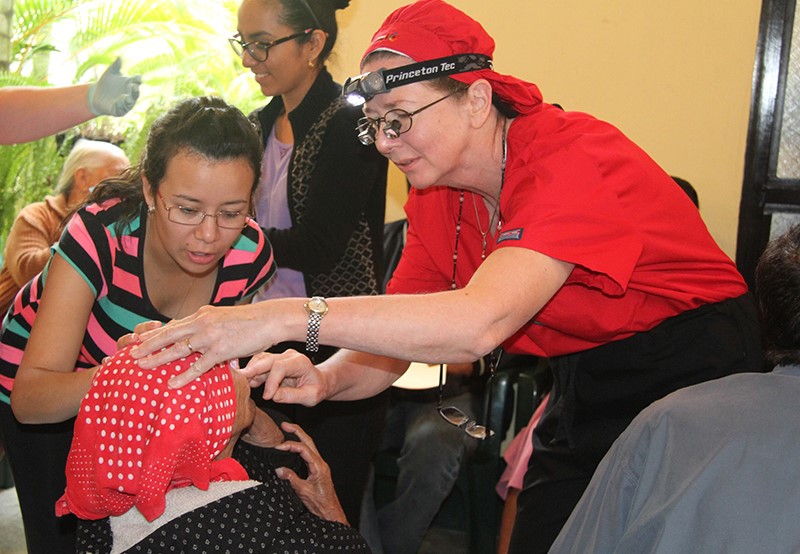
348,181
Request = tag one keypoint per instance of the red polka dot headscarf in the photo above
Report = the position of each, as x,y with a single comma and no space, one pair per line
135,438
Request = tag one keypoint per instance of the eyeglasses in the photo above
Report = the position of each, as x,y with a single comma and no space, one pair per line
192,216
454,415
259,51
395,123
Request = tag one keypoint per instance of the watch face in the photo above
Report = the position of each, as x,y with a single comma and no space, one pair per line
318,305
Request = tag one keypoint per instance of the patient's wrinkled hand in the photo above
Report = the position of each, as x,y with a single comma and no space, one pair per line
263,432
316,492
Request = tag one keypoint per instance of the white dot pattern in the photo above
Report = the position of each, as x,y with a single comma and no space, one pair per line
135,438
268,518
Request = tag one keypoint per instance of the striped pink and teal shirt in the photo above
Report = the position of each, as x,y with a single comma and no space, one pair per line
112,267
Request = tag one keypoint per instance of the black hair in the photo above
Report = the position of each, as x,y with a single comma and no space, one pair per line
206,126
777,288
318,14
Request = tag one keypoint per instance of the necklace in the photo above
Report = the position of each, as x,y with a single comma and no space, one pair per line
495,213
488,227
185,296
153,275
458,233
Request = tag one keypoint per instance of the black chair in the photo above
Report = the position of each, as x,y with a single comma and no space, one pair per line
511,396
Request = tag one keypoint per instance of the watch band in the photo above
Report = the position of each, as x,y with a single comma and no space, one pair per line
316,307
312,337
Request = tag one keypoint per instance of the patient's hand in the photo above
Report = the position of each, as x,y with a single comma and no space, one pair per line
251,424
316,492
263,432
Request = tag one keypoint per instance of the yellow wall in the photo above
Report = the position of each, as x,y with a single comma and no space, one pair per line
674,76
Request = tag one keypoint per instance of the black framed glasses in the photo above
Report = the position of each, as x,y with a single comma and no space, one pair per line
183,215
455,416
393,123
259,51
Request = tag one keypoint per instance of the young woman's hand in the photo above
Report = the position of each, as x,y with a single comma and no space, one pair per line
131,338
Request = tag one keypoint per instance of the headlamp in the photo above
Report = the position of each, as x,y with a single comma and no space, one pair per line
362,88
359,89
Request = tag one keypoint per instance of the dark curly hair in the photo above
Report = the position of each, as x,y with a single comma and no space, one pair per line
317,14
207,126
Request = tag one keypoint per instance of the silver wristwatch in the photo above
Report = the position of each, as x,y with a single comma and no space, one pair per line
316,308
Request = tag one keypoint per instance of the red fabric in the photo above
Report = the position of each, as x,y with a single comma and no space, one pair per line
431,29
576,189
135,438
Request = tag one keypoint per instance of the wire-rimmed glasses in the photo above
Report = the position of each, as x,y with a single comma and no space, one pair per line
183,215
393,123
258,50
455,416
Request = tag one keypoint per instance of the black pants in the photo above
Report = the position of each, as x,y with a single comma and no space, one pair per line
596,394
37,455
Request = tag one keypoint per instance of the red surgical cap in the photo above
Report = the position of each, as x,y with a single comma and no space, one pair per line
431,29
135,438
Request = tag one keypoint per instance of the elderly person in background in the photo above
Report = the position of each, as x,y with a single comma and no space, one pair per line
38,225
150,469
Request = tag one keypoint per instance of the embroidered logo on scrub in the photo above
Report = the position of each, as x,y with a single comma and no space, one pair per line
511,234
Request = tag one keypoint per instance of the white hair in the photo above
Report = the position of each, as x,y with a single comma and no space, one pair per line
84,154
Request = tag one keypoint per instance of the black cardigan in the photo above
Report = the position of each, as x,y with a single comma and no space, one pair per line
344,196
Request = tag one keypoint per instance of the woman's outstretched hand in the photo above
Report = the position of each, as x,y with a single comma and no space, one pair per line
316,491
288,378
218,333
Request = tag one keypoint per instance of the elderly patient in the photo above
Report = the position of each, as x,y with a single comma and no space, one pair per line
161,470
714,467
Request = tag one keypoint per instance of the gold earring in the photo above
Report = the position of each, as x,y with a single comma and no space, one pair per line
311,64
151,209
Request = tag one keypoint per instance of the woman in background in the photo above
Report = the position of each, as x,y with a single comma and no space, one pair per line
170,236
321,201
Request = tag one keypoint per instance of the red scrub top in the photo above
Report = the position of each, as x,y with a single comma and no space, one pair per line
576,189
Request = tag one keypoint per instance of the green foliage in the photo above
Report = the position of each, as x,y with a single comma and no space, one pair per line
179,47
